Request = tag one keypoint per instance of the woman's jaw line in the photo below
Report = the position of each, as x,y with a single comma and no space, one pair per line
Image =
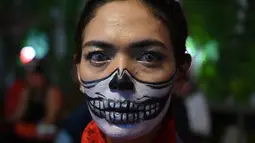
147,138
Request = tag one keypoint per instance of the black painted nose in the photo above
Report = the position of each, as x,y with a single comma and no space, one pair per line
123,83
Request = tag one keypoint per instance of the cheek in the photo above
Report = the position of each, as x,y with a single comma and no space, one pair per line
164,71
154,75
88,72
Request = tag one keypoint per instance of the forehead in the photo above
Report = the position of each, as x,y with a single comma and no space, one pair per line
123,21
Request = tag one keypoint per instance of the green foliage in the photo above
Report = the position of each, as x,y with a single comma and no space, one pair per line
232,74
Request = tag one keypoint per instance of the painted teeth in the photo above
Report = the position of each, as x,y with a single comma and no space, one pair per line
101,104
131,105
97,104
141,115
157,108
97,111
111,104
147,113
124,104
147,107
135,117
124,111
124,117
128,105
130,117
92,102
135,106
117,116
141,107
107,116
152,111
112,115
105,104
117,105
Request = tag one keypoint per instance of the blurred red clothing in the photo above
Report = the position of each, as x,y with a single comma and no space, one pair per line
12,97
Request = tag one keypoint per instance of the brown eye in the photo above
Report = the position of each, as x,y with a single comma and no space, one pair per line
98,57
151,57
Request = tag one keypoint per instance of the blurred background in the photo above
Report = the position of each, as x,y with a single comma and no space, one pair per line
36,54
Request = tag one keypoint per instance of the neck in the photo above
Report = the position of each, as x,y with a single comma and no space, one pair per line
148,138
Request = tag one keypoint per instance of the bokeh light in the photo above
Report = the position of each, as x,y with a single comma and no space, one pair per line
39,41
27,54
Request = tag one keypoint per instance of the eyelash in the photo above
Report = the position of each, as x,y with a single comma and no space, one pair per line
155,58
91,54
97,61
159,56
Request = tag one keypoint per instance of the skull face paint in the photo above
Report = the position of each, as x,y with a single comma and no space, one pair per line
126,69
123,106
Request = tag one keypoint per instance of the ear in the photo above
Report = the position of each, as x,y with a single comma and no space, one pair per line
182,74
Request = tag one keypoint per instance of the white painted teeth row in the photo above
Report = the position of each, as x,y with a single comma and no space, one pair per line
125,116
108,104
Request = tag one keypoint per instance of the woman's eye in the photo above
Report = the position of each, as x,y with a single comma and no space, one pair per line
151,57
97,57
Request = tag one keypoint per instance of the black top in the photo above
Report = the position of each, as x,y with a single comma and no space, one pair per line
77,121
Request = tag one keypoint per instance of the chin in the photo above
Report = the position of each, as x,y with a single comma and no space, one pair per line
130,130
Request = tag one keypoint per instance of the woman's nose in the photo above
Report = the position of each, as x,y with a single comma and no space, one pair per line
121,83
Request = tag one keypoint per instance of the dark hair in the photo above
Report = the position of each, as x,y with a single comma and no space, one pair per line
39,68
168,11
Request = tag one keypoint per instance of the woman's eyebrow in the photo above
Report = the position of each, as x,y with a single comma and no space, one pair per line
146,43
99,44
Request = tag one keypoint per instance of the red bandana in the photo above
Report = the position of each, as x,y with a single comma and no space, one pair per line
92,134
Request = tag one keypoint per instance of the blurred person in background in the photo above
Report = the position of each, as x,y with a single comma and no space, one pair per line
192,114
11,98
129,58
73,126
198,111
14,91
37,110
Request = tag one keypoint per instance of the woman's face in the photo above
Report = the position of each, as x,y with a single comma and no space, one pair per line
126,69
